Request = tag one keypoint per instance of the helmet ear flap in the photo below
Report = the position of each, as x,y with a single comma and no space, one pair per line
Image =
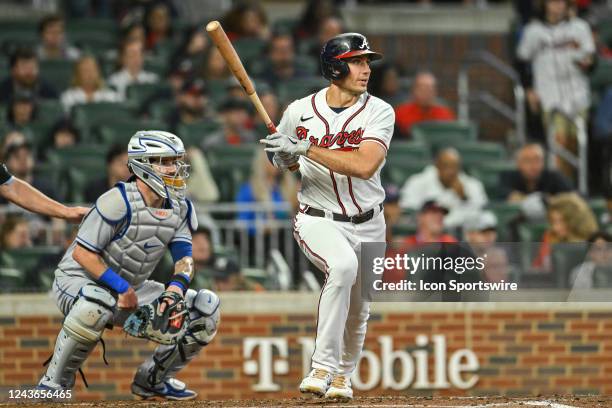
334,69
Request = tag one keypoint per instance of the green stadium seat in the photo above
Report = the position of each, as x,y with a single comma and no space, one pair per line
157,64
137,94
161,109
409,150
88,117
228,154
601,77
565,257
193,134
80,177
121,132
229,176
94,41
598,205
489,172
250,49
78,156
15,36
26,260
58,73
39,132
98,25
288,91
532,232
441,134
49,110
505,212
217,89
284,25
479,152
397,169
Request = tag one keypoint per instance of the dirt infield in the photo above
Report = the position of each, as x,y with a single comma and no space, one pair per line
386,402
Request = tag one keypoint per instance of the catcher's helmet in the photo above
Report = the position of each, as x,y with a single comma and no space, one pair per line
146,150
344,46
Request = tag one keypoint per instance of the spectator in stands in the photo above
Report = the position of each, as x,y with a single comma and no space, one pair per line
116,171
19,161
192,105
596,272
602,140
192,52
269,102
571,220
531,176
53,45
385,84
237,125
246,20
480,231
282,64
606,218
560,49
87,86
445,183
22,110
393,211
423,107
134,32
131,72
158,24
10,138
25,77
315,13
215,68
15,233
64,134
330,27
201,186
266,185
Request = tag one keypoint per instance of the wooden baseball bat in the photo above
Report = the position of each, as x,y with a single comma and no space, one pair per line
232,59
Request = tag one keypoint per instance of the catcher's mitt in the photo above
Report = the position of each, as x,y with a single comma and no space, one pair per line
164,327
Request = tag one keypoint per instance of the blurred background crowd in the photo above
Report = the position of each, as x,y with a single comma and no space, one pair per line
79,77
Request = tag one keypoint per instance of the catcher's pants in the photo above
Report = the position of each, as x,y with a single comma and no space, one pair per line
66,289
335,248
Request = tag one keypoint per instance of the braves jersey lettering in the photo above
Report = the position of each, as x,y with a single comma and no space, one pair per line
370,120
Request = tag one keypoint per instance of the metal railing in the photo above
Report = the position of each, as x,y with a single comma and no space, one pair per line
515,114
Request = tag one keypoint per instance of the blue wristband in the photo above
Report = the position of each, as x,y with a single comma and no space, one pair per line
114,281
178,284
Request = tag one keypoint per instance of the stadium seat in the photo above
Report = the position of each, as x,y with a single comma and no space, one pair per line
565,257
505,212
137,94
409,151
91,41
161,109
78,156
229,176
49,110
601,77
598,205
121,132
480,152
195,133
489,173
250,49
441,134
39,132
397,169
88,117
532,232
17,33
288,91
25,260
227,154
58,73
80,177
157,64
98,25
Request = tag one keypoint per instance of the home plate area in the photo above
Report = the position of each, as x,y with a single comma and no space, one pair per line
381,402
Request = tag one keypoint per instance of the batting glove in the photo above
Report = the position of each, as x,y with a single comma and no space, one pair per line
284,161
280,143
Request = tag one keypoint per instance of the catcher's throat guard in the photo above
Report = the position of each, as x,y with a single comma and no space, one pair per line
163,327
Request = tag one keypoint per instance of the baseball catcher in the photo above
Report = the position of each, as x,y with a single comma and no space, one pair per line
102,279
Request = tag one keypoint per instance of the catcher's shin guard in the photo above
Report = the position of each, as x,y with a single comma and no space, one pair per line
167,360
81,332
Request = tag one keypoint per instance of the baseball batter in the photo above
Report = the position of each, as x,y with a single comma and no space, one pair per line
340,136
104,273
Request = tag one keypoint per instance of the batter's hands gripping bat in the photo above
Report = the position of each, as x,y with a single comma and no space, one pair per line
232,59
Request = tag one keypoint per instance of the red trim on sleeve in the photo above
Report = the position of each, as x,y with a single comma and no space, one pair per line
382,142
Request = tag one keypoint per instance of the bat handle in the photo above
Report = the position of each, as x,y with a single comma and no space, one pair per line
272,130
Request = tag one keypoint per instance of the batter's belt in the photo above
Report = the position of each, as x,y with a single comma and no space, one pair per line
355,219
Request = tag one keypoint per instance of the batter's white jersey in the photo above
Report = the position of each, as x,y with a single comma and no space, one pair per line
369,120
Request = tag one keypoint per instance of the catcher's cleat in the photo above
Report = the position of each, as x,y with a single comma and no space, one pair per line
317,382
340,388
171,389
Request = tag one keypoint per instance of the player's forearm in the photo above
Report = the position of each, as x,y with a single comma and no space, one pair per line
28,197
348,163
90,261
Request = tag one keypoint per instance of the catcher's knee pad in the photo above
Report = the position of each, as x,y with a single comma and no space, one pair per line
92,311
82,329
204,315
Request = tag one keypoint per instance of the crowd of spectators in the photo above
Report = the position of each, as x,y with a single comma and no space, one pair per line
190,85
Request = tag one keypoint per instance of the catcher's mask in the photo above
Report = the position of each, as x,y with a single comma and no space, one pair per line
157,158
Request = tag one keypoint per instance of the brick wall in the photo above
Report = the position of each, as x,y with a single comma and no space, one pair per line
520,352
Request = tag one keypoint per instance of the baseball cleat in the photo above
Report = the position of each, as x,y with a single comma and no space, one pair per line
317,382
340,388
171,389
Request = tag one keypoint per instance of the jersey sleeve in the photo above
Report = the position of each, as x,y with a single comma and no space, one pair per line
527,45
587,44
5,176
287,125
380,128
